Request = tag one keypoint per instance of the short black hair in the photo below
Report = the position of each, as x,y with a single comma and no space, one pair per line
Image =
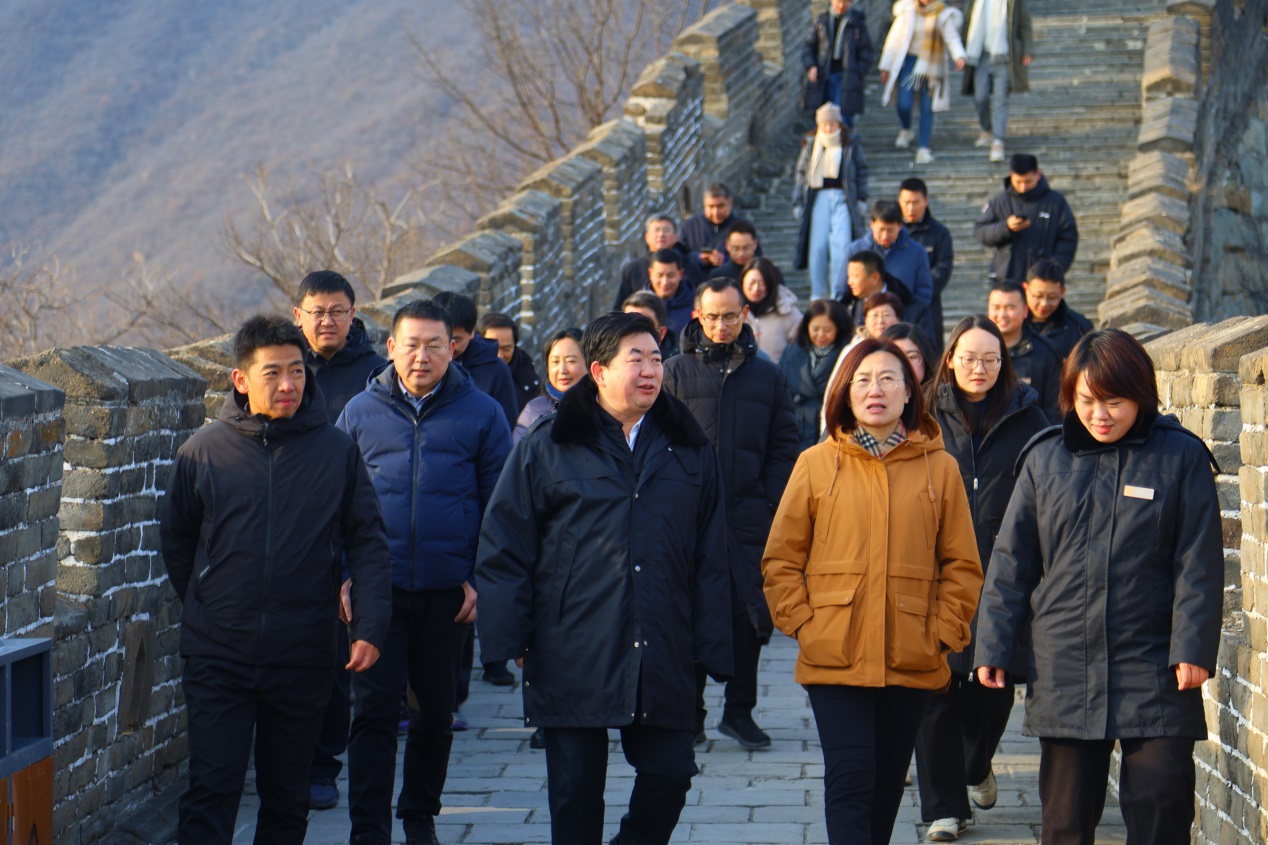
660,218
1009,287
1023,163
498,320
911,183
650,301
718,191
887,211
1048,270
265,330
324,281
871,260
667,256
742,227
720,284
602,338
423,309
462,309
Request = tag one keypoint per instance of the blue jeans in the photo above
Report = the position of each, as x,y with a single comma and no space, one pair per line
990,94
829,237
906,99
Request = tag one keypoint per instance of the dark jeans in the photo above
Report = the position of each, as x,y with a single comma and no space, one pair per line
423,643
741,690
576,772
867,735
1155,789
227,703
958,737
333,740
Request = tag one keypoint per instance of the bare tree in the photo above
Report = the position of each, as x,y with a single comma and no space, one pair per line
37,293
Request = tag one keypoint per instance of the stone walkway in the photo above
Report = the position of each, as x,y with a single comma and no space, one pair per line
496,792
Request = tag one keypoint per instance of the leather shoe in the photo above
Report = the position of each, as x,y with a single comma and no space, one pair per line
421,831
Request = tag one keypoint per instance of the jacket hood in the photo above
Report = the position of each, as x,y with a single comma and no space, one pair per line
899,243
578,418
922,224
785,302
695,343
1023,397
479,352
1076,438
926,438
311,414
1033,194
357,346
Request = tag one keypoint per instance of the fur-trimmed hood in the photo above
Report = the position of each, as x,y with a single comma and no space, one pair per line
577,419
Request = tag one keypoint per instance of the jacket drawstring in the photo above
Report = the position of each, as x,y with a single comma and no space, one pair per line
836,465
929,476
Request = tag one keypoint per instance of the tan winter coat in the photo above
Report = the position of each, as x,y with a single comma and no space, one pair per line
872,563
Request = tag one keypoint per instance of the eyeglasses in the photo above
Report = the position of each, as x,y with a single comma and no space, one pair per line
725,319
887,384
970,362
336,314
432,350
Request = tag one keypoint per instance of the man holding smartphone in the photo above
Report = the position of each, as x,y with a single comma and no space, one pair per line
1025,222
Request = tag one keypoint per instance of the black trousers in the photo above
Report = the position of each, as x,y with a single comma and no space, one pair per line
226,703
466,660
958,736
333,739
867,735
1155,789
423,644
741,690
576,773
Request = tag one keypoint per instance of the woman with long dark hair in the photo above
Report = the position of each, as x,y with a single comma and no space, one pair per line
772,307
1112,552
807,363
872,566
987,417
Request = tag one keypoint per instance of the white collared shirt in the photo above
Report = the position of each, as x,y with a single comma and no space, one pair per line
632,437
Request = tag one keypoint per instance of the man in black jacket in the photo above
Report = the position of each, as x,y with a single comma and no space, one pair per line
341,359
660,233
913,199
837,54
1025,222
1050,317
602,567
745,407
262,508
478,356
505,332
704,235
741,248
1034,360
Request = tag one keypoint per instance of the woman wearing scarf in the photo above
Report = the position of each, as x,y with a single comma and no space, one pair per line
923,41
829,198
1000,38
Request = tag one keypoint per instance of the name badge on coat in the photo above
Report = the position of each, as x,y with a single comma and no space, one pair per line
1132,492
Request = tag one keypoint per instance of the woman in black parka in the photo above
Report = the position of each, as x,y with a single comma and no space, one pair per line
807,364
1112,549
987,417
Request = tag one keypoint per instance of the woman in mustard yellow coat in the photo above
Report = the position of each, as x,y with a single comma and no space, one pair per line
872,565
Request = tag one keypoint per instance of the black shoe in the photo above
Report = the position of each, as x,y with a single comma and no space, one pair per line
744,730
498,675
421,831
537,740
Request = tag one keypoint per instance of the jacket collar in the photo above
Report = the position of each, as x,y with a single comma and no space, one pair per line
579,418
1033,194
357,346
695,343
385,383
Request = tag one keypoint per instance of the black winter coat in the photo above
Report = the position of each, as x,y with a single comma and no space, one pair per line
989,475
634,274
743,403
348,370
807,388
856,61
936,239
606,568
527,383
1036,363
1052,232
256,521
1062,330
699,235
1114,553
491,375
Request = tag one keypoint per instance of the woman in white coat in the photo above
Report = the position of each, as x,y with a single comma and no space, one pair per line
923,42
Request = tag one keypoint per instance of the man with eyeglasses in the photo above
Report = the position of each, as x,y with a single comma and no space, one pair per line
434,445
1050,317
1034,360
341,359
744,404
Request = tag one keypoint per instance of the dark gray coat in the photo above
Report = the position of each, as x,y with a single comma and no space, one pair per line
856,61
1053,232
807,388
606,569
1118,588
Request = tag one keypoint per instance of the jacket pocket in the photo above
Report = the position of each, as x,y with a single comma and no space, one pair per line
825,639
912,639
563,561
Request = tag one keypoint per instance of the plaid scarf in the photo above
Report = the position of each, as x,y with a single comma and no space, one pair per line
869,443
930,63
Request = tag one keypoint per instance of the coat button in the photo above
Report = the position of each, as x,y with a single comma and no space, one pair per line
636,643
638,569
635,495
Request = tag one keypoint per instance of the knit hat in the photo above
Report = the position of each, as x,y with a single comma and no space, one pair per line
828,112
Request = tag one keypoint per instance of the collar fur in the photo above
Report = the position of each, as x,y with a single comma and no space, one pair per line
578,418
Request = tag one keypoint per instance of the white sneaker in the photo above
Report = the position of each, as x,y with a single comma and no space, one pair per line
946,830
903,141
997,151
986,793
924,155
984,139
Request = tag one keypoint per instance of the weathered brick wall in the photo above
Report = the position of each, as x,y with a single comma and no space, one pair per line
118,726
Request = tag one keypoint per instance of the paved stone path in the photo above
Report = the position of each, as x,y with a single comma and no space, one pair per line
496,792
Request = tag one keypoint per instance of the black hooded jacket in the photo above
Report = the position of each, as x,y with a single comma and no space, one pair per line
347,372
1036,364
1062,330
258,516
527,383
1052,232
491,375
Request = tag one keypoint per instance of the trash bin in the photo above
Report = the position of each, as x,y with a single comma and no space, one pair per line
26,740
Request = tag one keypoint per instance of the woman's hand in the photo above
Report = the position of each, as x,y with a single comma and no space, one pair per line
1189,676
813,74
959,64
991,677
884,77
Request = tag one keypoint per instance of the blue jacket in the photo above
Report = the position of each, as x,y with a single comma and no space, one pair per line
907,261
433,471
491,374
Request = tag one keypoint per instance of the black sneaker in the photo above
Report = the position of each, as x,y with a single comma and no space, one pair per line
743,730
537,740
498,675
421,831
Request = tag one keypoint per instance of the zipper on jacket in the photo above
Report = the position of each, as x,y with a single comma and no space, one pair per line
268,546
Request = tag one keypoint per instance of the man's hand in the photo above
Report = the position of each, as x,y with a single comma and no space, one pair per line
467,613
813,74
1189,676
1026,60
1017,224
364,656
884,77
959,64
519,663
713,257
991,677
345,602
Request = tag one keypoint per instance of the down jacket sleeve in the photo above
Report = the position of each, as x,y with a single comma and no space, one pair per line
505,561
1198,570
991,227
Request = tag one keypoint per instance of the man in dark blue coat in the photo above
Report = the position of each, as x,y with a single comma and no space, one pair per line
1050,317
478,356
434,445
837,54
341,358
913,199
904,259
603,567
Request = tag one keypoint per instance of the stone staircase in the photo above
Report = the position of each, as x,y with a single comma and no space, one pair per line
1081,119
